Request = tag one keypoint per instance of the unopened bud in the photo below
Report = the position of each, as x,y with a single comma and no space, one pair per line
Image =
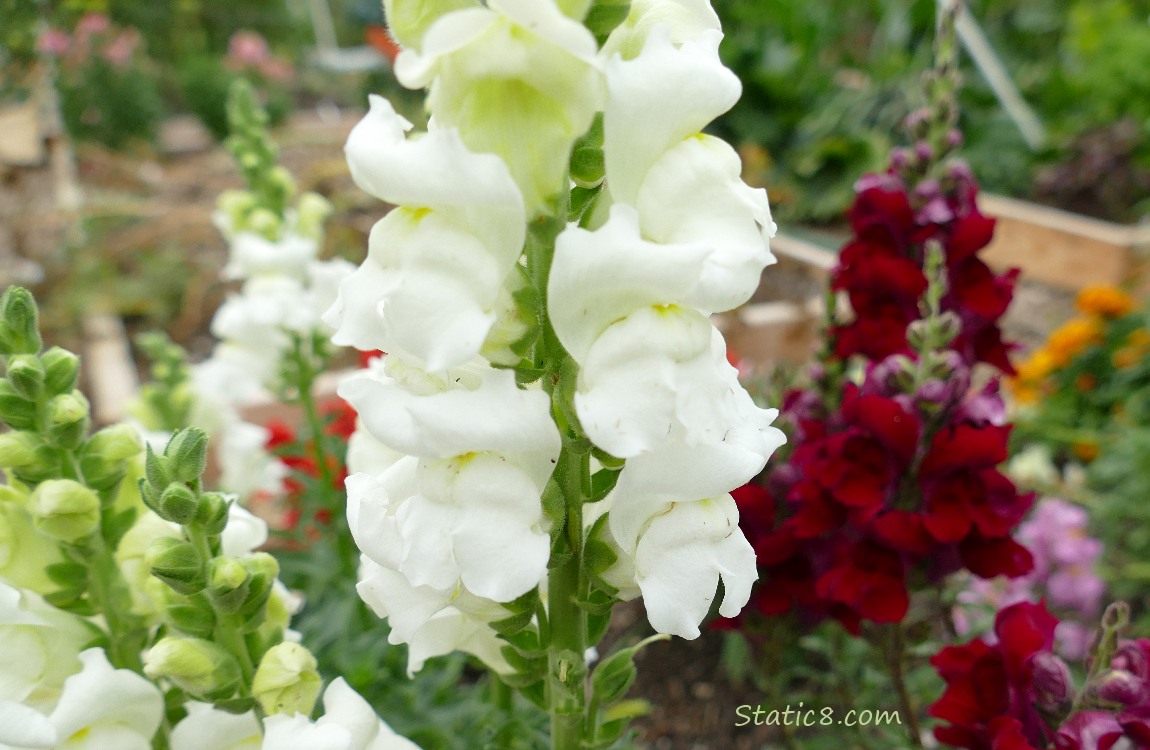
65,510
26,374
265,223
212,513
287,680
176,563
312,211
228,584
68,420
1120,686
61,368
190,614
104,457
1133,657
187,454
178,503
263,569
18,449
19,324
197,666
1052,681
156,470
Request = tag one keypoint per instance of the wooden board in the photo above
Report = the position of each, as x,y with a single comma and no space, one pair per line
1061,249
22,136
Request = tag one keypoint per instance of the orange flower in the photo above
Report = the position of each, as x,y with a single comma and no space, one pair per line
1085,450
1107,301
1072,337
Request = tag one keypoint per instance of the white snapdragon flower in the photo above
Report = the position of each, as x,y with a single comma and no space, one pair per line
518,79
348,723
252,254
433,280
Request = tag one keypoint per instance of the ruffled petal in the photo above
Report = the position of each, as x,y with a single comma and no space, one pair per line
206,726
23,727
686,19
344,707
100,695
664,95
295,732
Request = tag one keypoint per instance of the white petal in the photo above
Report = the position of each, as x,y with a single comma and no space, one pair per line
694,194
459,416
658,99
209,727
244,533
681,557
295,732
390,595
451,630
599,277
436,171
346,708
22,727
102,696
254,255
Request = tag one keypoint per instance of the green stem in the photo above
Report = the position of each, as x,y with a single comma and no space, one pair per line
109,596
228,631
568,620
895,653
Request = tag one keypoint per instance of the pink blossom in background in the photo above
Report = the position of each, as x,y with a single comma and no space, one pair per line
247,48
54,42
277,69
119,52
91,24
1064,574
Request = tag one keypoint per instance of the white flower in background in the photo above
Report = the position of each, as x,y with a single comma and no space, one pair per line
252,254
209,727
518,79
432,283
348,723
246,468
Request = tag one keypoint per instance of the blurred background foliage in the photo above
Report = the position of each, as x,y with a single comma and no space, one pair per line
826,85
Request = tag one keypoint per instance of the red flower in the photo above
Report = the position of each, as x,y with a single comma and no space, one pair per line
869,580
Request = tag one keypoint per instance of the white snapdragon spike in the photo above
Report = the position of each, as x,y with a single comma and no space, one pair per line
251,254
518,79
39,648
439,415
433,622
686,20
432,284
348,723
206,726
679,557
102,707
246,467
655,101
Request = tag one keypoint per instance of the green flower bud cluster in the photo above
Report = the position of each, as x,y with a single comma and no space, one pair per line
216,605
165,402
263,208
49,418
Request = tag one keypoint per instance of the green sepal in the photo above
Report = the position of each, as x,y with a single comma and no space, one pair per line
582,201
192,615
614,675
598,556
26,374
522,611
16,411
176,563
187,454
606,460
604,16
19,322
235,705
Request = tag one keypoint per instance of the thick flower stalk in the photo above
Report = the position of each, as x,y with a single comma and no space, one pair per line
555,427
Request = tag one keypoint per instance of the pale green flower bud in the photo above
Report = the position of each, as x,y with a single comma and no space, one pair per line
24,554
212,513
228,583
68,420
61,368
287,680
264,222
65,510
18,449
175,562
178,503
197,666
26,374
263,569
190,614
105,455
236,204
312,211
19,322
187,454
